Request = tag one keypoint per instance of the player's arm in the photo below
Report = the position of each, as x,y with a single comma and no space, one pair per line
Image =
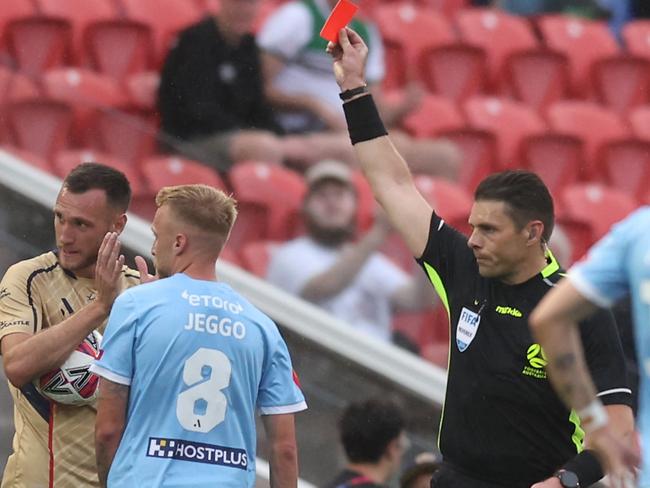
281,435
26,356
555,324
384,168
109,425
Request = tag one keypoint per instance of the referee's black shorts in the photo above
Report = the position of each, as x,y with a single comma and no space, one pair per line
447,477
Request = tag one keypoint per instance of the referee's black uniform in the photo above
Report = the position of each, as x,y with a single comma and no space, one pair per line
502,424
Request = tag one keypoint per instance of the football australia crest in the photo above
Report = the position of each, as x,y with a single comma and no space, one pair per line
466,328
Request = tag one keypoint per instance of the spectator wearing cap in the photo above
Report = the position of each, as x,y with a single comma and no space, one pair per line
374,441
348,278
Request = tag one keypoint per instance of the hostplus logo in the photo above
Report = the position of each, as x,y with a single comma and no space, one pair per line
536,366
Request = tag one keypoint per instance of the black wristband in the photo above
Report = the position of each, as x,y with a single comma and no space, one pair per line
363,119
586,466
347,94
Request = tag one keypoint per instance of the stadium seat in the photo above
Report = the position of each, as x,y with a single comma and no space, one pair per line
434,114
479,151
15,86
256,256
636,35
80,13
228,254
639,119
119,47
498,33
537,77
268,195
130,137
594,124
39,43
142,89
622,82
582,41
451,201
30,158
625,165
556,158
39,126
165,17
456,71
511,121
579,232
447,7
407,30
12,10
162,171
83,88
596,205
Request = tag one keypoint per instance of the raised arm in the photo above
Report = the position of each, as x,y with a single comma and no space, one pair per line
385,169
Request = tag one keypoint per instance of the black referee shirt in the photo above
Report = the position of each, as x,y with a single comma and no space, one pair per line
502,422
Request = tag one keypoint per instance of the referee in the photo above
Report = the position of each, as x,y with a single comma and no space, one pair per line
503,426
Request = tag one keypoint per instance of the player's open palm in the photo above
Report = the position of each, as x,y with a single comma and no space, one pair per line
108,270
349,59
145,276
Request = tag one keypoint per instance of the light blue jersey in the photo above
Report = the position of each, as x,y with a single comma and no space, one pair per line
617,266
199,359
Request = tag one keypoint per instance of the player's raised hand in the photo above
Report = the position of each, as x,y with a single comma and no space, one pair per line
108,270
145,276
349,56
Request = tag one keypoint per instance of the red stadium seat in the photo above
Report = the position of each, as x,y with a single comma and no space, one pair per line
435,114
580,234
256,256
596,205
39,43
592,123
582,41
407,30
39,126
119,47
639,119
142,89
165,17
499,34
264,212
479,151
82,87
162,171
451,202
12,10
536,77
228,254
556,158
625,165
30,158
510,121
129,137
15,86
636,35
447,7
622,82
80,13
456,71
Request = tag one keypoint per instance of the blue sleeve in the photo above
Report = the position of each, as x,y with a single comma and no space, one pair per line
279,391
602,276
116,357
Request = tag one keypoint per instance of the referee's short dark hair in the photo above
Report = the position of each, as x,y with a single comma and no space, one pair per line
96,176
368,427
525,194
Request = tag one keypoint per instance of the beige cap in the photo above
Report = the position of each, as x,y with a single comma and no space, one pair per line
328,169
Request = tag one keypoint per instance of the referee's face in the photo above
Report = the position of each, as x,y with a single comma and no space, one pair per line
500,249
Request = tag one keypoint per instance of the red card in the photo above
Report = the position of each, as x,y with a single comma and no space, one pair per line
339,18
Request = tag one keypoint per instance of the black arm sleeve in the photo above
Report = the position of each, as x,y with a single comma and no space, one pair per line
604,355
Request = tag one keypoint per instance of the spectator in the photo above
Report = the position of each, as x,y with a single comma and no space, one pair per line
373,438
299,81
352,281
212,103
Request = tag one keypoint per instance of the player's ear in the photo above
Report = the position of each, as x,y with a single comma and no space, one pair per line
120,223
180,244
535,231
